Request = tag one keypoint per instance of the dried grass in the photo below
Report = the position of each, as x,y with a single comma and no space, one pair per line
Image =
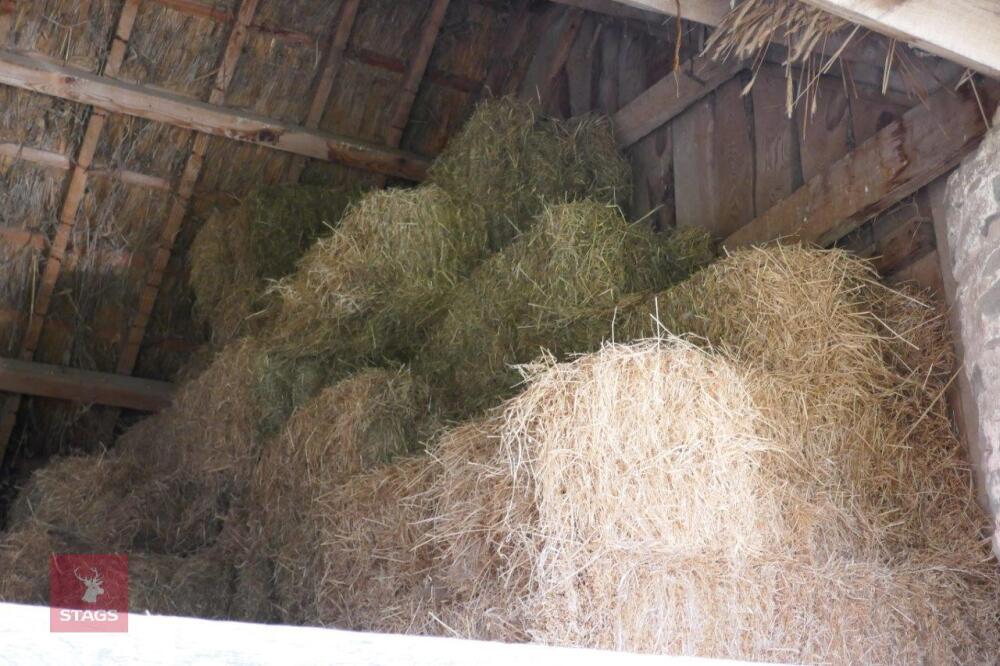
552,289
194,586
25,553
649,498
509,161
370,289
362,422
753,25
238,252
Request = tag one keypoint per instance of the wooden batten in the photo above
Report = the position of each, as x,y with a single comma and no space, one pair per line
926,142
51,381
415,73
37,75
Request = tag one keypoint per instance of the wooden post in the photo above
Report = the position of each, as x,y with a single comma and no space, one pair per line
68,216
574,20
499,73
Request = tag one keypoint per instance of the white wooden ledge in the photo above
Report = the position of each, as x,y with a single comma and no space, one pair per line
152,640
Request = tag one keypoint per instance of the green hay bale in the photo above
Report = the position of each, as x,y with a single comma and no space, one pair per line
370,289
552,290
509,161
239,251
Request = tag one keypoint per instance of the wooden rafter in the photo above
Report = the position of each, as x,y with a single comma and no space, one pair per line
500,71
185,190
52,381
964,31
709,12
331,68
926,142
68,216
670,96
403,105
38,75
574,21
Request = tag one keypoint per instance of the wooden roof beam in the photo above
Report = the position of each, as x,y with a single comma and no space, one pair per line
926,142
37,75
964,31
709,12
52,381
670,96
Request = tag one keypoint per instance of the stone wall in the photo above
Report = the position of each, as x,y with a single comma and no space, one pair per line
973,221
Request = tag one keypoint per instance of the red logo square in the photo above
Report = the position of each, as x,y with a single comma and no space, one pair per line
88,593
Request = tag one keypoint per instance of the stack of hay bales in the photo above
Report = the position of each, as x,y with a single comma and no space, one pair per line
550,290
793,493
238,252
190,482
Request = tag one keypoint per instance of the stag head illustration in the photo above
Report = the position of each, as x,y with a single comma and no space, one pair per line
94,585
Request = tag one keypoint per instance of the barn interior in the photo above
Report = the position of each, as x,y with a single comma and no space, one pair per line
639,325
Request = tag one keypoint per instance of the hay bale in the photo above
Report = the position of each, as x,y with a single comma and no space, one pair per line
238,252
193,586
509,161
80,495
25,553
648,498
552,289
370,289
361,423
375,565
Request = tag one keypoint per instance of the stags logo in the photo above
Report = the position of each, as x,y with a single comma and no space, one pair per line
88,593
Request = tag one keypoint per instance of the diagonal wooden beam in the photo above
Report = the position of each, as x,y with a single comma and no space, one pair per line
53,160
185,190
331,68
68,216
964,31
35,74
926,142
671,96
499,72
83,386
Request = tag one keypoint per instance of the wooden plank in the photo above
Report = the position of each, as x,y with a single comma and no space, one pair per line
670,96
709,12
776,150
31,73
713,165
72,199
824,126
924,272
324,85
23,238
52,381
903,157
403,105
163,641
963,31
185,190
